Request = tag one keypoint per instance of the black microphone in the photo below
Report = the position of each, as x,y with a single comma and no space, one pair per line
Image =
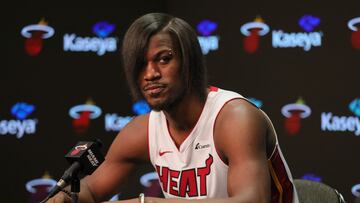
85,157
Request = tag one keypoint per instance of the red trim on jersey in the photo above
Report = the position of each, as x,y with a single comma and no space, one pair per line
213,88
148,137
281,186
215,124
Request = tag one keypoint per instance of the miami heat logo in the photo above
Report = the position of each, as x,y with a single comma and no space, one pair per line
39,188
35,35
294,113
82,114
252,32
78,148
150,181
355,35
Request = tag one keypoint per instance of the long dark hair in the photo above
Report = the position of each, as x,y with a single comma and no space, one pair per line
135,45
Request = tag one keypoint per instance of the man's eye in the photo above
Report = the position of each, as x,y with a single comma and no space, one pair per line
164,59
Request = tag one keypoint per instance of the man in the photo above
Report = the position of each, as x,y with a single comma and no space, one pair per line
206,144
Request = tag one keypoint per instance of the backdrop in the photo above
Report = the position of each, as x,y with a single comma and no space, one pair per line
62,82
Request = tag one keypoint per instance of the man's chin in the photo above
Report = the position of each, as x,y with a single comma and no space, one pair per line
157,107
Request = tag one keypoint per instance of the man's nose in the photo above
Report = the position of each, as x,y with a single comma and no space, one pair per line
152,72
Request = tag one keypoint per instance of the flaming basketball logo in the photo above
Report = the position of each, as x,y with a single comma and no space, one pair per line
39,188
150,181
35,35
252,32
294,113
82,115
355,35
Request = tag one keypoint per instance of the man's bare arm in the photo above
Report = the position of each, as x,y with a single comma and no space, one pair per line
129,147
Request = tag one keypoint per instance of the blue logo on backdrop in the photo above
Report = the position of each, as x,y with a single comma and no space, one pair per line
103,29
141,107
309,22
206,27
207,41
21,126
256,102
354,106
312,177
22,110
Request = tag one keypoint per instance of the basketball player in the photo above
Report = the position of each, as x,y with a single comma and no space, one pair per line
206,144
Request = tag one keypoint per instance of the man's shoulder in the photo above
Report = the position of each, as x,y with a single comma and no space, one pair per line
240,108
131,142
137,124
239,112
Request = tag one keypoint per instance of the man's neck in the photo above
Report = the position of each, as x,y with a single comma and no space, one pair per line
184,116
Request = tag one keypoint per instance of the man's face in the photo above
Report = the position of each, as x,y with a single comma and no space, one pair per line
160,79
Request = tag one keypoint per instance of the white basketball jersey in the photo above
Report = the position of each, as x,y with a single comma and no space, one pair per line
195,170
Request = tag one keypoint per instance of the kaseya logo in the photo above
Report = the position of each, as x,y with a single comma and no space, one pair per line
22,125
114,122
208,42
305,40
82,114
35,34
253,31
39,188
294,113
354,25
336,123
100,44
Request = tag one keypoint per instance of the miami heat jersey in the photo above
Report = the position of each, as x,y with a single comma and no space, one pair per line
195,170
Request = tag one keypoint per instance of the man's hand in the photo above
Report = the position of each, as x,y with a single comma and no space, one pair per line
60,197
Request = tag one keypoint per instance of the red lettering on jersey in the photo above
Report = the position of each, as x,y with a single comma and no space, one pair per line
188,185
202,173
173,183
163,176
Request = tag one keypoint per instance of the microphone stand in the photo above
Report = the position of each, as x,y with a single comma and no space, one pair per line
75,188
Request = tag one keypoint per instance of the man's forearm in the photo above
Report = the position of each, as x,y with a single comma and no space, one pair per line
85,195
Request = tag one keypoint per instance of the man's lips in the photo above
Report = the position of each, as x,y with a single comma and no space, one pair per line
154,89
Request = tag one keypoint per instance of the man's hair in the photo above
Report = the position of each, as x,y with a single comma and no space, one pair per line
135,45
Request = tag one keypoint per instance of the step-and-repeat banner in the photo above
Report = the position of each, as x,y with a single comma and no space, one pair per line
62,82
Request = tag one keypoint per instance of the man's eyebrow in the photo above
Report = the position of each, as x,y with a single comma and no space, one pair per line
157,54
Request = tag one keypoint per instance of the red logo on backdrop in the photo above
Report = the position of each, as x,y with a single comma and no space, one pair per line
150,181
354,25
35,35
252,32
82,114
39,188
78,148
294,113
